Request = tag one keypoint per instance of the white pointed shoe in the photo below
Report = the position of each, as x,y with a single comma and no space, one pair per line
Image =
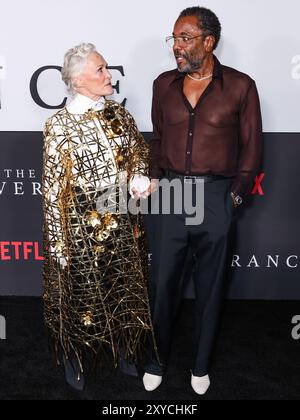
200,384
151,382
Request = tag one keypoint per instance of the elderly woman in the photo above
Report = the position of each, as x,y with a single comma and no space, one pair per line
95,267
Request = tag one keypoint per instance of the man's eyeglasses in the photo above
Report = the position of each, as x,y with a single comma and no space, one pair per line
180,40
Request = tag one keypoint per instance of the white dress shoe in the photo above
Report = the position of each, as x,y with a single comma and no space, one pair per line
151,382
200,384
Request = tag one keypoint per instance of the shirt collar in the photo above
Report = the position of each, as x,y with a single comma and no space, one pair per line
217,72
81,104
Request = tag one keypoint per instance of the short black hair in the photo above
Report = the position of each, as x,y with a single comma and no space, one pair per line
207,21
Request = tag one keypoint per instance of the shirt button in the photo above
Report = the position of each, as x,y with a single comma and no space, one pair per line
192,114
188,153
191,134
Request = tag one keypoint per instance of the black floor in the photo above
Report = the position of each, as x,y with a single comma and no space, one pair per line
255,358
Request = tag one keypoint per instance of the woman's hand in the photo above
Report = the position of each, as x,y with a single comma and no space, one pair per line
145,194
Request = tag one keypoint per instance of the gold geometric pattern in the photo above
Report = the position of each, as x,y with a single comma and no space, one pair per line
95,271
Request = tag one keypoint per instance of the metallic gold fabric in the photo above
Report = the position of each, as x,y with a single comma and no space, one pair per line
95,272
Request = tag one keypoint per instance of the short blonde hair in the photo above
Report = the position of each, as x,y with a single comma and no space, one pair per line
74,62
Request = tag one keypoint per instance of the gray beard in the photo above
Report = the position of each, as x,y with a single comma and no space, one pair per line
191,66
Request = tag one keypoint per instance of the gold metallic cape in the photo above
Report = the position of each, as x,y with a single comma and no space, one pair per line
95,271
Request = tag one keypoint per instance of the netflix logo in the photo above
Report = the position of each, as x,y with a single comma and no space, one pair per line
20,251
258,188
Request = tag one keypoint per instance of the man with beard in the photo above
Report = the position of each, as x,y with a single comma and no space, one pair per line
206,130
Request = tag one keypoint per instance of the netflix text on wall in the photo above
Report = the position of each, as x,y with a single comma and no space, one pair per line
12,251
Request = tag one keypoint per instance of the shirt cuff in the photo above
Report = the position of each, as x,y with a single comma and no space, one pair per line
242,185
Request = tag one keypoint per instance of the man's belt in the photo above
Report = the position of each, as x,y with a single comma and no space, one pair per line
194,179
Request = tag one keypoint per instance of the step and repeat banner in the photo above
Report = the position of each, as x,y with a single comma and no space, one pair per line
261,38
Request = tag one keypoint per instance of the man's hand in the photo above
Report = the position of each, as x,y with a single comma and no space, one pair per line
153,186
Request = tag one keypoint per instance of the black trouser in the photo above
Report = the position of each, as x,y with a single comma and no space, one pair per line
170,243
